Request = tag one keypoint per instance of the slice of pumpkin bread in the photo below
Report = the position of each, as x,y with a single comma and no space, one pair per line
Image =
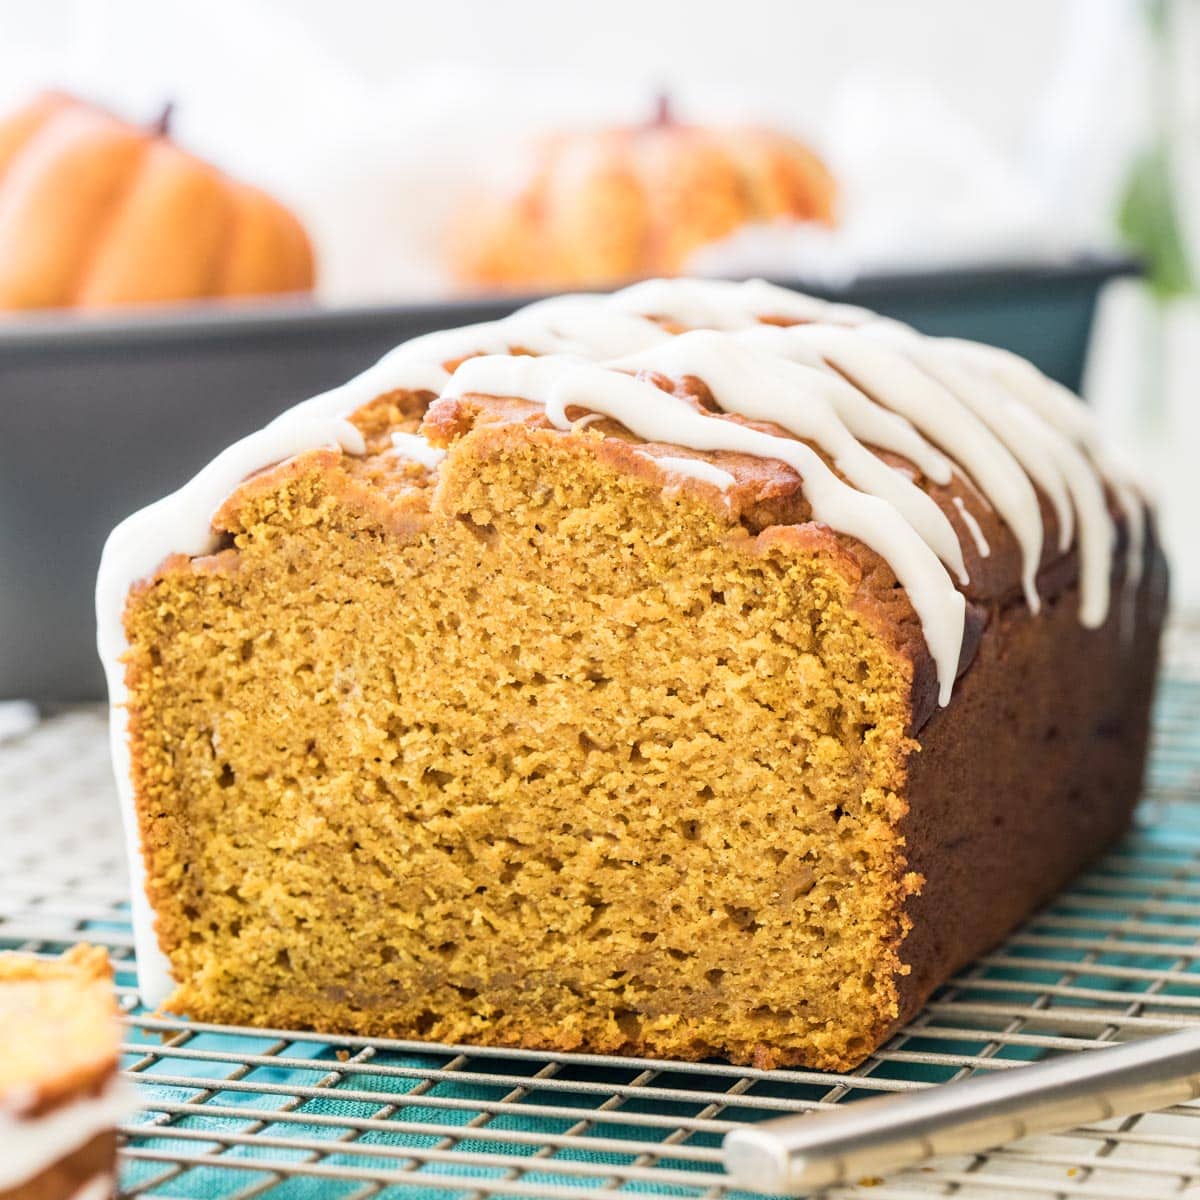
60,1097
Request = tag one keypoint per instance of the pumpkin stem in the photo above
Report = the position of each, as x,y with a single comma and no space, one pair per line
663,112
161,125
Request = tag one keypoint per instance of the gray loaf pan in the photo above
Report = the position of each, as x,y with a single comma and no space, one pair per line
99,416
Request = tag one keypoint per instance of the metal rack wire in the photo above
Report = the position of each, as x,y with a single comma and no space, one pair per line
234,1114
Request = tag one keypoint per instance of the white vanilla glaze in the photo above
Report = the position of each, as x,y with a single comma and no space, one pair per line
695,468
891,377
28,1145
868,421
973,528
1061,410
416,447
723,304
839,379
1049,458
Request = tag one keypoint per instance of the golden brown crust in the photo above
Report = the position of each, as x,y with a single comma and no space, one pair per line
1030,774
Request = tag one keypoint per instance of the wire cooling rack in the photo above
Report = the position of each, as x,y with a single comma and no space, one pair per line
230,1114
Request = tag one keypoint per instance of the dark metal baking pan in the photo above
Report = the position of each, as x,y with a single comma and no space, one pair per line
100,416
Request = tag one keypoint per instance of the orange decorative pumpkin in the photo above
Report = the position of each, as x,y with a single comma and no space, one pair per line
603,207
96,212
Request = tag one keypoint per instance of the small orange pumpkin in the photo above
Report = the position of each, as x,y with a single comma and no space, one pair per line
96,212
603,207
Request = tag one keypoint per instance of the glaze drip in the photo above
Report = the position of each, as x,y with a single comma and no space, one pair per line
973,528
889,376
696,468
414,446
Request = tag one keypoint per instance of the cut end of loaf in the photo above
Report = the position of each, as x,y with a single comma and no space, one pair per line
499,761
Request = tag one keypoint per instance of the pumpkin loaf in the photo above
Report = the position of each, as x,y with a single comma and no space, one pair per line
60,1099
698,670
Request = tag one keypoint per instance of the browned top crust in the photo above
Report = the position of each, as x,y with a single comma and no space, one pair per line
765,495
